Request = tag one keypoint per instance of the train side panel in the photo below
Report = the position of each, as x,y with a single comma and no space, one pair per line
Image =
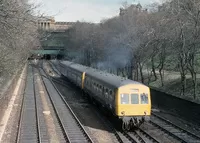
76,77
63,69
72,74
100,92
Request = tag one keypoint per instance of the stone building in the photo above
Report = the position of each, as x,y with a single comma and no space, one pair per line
48,23
132,9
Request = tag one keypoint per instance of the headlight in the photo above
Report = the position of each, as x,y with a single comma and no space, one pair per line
123,113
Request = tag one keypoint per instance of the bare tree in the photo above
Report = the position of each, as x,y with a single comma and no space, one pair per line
18,34
191,9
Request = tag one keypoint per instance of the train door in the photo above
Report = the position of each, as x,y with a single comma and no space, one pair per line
103,89
83,80
111,99
107,96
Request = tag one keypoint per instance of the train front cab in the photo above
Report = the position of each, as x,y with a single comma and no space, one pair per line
133,105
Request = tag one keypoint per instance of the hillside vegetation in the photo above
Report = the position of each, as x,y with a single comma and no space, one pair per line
144,45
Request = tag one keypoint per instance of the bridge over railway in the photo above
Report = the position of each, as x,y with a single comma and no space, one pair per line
49,53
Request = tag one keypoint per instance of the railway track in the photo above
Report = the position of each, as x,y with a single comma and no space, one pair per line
121,137
142,136
42,127
29,122
173,130
54,67
71,126
136,136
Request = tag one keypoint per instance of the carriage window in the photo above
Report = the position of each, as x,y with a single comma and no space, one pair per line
106,91
144,98
93,85
100,88
97,87
124,98
134,99
111,95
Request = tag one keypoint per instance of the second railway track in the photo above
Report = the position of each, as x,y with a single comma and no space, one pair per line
29,128
141,136
173,130
72,128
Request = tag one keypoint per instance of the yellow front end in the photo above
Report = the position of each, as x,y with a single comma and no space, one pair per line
133,100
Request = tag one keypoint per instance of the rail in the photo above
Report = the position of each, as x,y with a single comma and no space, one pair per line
168,127
73,116
28,125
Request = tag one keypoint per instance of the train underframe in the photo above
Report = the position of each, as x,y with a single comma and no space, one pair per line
128,123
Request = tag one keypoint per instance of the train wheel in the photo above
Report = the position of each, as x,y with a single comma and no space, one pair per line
126,126
131,125
123,126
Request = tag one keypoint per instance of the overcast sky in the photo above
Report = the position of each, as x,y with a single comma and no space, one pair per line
84,10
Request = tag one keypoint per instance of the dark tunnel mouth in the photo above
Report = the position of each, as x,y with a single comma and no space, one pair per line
46,57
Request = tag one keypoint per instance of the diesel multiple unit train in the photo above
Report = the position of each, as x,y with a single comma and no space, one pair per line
128,100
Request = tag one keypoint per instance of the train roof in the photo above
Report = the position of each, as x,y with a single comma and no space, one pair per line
75,66
110,79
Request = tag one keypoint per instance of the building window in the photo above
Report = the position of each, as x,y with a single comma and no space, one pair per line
48,25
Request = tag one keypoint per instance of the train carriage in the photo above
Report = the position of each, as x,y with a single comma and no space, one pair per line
74,72
128,100
100,90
